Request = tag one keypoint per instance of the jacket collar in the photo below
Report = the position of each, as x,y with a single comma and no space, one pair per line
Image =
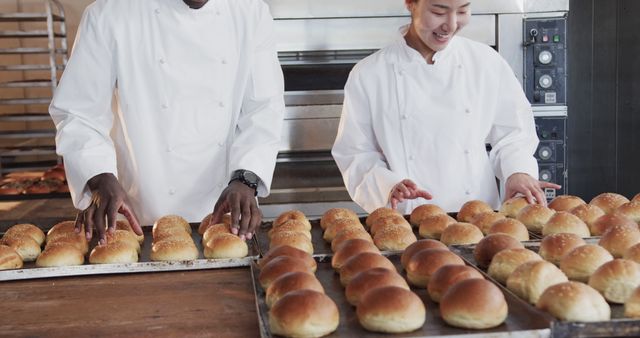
406,54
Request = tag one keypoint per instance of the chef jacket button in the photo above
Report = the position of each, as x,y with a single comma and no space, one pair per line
411,157
404,116
466,151
467,110
157,11
220,144
467,192
161,61
172,191
164,106
224,61
220,185
459,66
169,149
221,104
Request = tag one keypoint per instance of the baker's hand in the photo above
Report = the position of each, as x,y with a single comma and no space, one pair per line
529,187
240,200
108,200
406,190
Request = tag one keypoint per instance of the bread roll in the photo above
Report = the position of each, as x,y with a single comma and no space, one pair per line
535,216
506,261
338,225
474,304
630,210
419,246
28,230
424,263
170,250
124,236
632,305
351,248
432,227
225,246
206,222
633,253
171,233
395,238
380,212
564,222
511,227
292,215
609,201
566,202
619,238
491,245
335,214
304,313
603,223
289,251
113,253
472,208
580,263
215,229
292,281
361,262
170,221
555,246
423,212
389,221
279,266
588,214
60,255
391,309
484,220
66,226
24,245
448,275
78,240
616,279
290,238
512,206
348,234
530,279
370,279
461,233
124,225
574,302
9,258
293,226
636,198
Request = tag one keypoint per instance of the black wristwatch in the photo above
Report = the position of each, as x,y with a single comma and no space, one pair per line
246,177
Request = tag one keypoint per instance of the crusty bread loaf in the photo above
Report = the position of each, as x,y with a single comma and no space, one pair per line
124,225
574,302
391,309
633,253
78,240
126,237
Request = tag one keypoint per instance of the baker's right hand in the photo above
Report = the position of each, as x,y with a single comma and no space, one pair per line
406,190
108,200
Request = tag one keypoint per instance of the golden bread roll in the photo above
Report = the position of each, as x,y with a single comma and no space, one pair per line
394,238
574,302
60,255
170,221
588,213
292,281
474,304
28,230
171,233
535,216
214,230
619,238
461,233
580,263
391,309
370,279
225,246
511,227
338,225
289,251
530,279
66,226
389,221
491,245
419,246
512,206
9,258
24,245
294,226
630,210
632,305
609,201
603,223
616,279
433,226
636,198
448,275
361,262
485,220
380,212
291,238
124,236
113,253
335,214
351,248
304,313
633,253
423,212
170,250
347,234
506,261
78,240
566,202
426,262
292,215
564,222
554,247
472,208
206,222
279,266
124,225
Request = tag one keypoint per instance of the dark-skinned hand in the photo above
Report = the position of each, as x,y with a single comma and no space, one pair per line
240,200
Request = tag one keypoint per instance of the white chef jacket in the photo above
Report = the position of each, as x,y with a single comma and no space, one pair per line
199,95
404,118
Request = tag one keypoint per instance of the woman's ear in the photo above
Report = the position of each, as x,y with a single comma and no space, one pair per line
409,4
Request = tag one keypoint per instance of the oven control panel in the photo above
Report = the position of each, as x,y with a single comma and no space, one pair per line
545,73
551,152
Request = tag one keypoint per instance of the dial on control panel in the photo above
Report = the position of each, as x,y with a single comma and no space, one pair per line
545,57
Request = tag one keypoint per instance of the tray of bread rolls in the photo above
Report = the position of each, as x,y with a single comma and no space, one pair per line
362,293
171,244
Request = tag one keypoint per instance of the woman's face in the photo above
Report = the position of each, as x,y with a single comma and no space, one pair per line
437,21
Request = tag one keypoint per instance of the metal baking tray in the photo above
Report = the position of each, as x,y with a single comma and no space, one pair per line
618,326
30,271
523,321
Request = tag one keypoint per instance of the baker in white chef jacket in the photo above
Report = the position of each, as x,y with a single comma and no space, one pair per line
199,97
418,113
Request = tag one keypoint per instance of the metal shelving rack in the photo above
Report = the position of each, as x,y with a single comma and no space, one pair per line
33,53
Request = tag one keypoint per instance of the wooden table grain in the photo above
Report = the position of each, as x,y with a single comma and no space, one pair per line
204,303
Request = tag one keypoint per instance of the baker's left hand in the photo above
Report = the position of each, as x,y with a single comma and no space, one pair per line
240,200
529,187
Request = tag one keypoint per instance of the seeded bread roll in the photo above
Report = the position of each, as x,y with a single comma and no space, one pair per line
24,245
292,215
419,246
171,233
361,262
206,222
564,222
395,238
338,225
474,304
389,221
79,241
603,223
124,225
28,230
291,238
170,221
609,201
290,251
512,206
566,202
66,226
588,213
447,276
9,258
292,281
423,212
432,227
616,279
636,198
472,208
214,230
371,279
574,302
554,247
633,253
461,233
293,226
174,250
335,214
485,220
530,279
304,313
492,244
506,261
619,238
391,309
580,263
347,234
279,266
425,263
60,255
351,248
630,210
380,212
535,216
225,246
112,253
511,227
632,305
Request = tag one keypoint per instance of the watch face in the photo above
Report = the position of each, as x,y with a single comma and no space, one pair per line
250,177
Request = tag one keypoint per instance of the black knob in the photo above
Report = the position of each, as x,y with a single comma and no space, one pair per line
533,32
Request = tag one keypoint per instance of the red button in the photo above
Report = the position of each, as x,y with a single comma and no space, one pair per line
545,38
